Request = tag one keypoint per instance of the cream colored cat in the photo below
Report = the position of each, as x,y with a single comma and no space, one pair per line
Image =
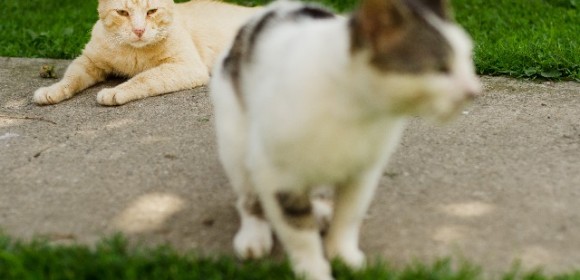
162,46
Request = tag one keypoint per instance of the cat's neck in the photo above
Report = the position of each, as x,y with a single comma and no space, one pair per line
346,75
329,74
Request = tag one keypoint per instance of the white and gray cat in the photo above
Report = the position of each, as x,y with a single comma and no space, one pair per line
304,98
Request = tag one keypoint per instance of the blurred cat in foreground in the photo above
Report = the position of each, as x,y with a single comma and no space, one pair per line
304,98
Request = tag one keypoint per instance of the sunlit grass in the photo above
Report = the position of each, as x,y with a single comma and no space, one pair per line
519,38
114,259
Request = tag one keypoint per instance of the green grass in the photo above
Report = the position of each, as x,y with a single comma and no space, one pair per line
519,38
524,38
114,259
37,28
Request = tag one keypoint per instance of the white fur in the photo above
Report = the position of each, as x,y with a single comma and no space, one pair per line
254,239
312,115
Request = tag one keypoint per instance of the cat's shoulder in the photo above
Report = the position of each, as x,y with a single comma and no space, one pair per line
280,13
286,10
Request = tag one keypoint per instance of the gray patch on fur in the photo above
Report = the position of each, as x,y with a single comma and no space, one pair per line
254,207
438,7
244,44
419,47
422,50
312,12
241,51
257,30
273,18
233,61
297,210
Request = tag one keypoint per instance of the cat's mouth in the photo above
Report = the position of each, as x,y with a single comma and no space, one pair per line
139,42
453,108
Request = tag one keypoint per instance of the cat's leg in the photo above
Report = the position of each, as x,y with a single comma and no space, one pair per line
291,215
254,238
80,74
350,206
165,78
322,205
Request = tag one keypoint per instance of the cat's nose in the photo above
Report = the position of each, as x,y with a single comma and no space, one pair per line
139,32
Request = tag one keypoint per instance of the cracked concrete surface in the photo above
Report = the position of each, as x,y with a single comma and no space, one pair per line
500,183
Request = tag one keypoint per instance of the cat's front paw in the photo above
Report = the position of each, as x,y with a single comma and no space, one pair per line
49,95
112,97
253,240
353,257
312,268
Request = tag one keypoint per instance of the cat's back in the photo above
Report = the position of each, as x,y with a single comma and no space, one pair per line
212,24
208,16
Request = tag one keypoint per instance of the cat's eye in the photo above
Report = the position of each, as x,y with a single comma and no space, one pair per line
152,11
123,13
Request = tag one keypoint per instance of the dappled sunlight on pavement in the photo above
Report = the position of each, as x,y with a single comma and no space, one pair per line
496,185
148,213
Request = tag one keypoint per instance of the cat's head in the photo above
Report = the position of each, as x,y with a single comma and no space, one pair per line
418,56
137,23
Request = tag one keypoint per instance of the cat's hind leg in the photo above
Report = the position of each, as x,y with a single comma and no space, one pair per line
80,74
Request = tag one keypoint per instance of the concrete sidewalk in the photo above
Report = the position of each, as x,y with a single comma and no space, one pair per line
500,183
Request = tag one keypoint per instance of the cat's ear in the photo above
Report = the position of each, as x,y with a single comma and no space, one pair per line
379,23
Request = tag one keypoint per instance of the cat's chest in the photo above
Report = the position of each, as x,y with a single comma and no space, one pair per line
131,63
329,151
